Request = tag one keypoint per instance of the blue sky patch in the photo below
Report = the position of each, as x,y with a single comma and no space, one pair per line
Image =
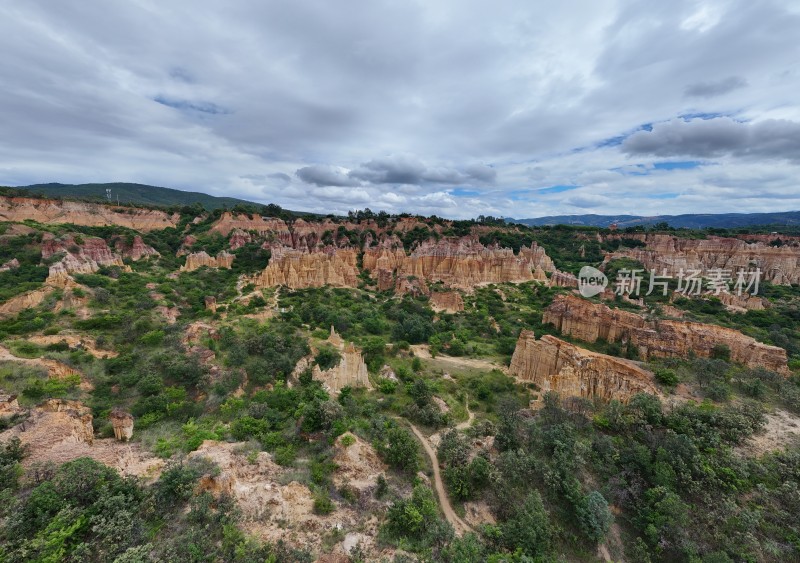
462,192
556,189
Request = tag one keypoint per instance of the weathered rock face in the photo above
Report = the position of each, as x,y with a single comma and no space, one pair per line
52,211
555,365
12,264
24,301
778,264
82,255
9,406
563,279
52,427
350,372
742,303
197,260
658,338
229,222
122,423
239,238
448,301
296,269
462,263
136,250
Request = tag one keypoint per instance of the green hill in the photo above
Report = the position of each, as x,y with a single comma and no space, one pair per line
139,194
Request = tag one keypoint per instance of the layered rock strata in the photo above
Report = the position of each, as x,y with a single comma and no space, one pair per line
555,365
658,338
778,264
297,269
461,263
197,260
53,211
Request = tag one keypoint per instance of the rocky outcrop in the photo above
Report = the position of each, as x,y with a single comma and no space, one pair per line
351,371
663,252
27,300
742,303
211,303
297,269
461,263
447,301
563,279
197,260
9,406
239,238
122,423
136,250
81,255
53,211
658,338
54,424
12,264
229,222
555,365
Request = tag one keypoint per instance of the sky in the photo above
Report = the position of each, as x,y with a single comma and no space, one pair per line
450,107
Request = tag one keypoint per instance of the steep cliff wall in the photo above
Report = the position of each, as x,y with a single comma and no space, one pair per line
51,211
461,263
778,264
555,365
197,260
658,337
296,269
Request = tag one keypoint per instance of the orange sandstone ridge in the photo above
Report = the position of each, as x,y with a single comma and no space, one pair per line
555,365
461,263
296,269
778,264
53,211
658,337
199,259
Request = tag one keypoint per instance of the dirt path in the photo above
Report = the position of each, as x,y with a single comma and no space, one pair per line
458,524
422,351
471,416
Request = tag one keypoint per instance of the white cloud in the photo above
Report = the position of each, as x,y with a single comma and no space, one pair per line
393,105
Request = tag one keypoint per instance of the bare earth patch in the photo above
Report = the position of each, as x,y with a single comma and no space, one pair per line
781,430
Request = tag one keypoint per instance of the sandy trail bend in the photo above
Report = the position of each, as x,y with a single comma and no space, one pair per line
458,524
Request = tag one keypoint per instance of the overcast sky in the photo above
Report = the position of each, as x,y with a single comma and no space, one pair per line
457,108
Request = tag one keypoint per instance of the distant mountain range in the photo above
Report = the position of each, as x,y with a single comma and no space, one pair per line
139,194
689,221
143,194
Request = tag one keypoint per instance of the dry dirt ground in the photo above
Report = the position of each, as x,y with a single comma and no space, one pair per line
452,362
781,430
276,506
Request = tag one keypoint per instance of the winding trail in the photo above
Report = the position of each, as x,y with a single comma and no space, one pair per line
459,525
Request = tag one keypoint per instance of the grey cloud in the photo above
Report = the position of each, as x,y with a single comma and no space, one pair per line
323,175
709,138
404,169
255,86
391,170
713,89
481,173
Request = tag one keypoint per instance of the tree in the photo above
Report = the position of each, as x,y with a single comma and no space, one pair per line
595,516
529,528
402,450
